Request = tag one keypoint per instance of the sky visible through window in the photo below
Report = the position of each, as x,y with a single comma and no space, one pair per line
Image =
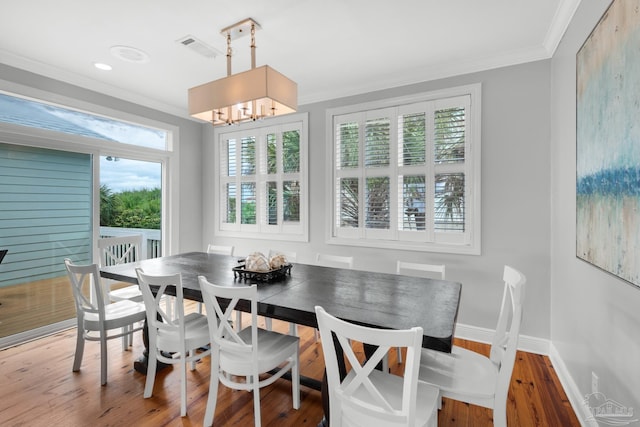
129,175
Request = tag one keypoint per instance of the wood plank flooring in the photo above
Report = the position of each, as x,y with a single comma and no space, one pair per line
38,388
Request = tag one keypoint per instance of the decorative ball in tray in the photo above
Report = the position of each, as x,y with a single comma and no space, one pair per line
258,267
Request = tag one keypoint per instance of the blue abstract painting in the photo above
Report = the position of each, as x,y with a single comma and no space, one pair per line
608,143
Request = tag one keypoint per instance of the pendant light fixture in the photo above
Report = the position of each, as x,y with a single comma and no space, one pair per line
247,96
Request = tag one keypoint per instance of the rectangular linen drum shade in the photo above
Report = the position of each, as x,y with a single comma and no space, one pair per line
273,93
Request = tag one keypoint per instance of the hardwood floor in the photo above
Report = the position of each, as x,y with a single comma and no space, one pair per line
38,388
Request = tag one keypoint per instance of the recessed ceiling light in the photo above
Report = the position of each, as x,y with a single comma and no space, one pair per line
129,54
102,66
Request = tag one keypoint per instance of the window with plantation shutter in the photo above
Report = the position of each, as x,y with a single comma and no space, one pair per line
262,178
406,172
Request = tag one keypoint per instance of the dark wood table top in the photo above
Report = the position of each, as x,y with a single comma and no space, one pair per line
370,299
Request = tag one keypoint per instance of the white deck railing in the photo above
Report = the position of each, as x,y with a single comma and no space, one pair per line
151,239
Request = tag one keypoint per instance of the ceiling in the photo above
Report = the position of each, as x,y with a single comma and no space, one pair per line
331,48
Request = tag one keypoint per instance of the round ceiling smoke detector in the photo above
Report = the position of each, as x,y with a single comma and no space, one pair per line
130,54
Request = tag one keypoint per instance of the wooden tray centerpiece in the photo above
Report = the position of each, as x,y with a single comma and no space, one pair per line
262,276
257,267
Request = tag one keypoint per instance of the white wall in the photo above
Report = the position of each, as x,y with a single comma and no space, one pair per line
515,196
595,317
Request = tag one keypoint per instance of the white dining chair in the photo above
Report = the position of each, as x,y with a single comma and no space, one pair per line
291,256
367,397
337,261
248,353
95,317
219,249
173,338
120,250
419,270
473,378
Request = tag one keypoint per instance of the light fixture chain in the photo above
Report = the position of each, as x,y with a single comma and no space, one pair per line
229,52
253,45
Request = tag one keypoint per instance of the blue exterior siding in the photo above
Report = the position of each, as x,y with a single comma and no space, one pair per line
45,212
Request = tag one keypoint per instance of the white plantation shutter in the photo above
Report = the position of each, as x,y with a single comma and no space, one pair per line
291,201
412,129
272,153
412,210
230,203
348,147
449,134
449,206
450,121
228,165
377,142
272,203
248,156
377,212
379,129
248,203
347,191
405,174
291,151
348,200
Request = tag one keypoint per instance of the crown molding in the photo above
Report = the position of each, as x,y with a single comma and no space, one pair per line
451,69
564,14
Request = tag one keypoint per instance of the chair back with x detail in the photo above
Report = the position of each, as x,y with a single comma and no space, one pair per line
366,396
95,317
473,378
247,353
121,250
173,338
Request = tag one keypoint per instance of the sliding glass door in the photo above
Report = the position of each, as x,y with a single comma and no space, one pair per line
68,177
46,216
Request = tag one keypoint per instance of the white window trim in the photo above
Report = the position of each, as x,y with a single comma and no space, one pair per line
472,171
253,231
42,138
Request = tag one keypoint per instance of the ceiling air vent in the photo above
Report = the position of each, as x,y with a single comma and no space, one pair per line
199,47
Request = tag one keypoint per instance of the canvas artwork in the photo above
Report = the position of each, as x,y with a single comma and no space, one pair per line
608,143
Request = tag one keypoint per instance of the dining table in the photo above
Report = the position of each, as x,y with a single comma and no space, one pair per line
373,299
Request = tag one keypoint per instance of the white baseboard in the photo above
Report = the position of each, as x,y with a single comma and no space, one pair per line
525,342
576,399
